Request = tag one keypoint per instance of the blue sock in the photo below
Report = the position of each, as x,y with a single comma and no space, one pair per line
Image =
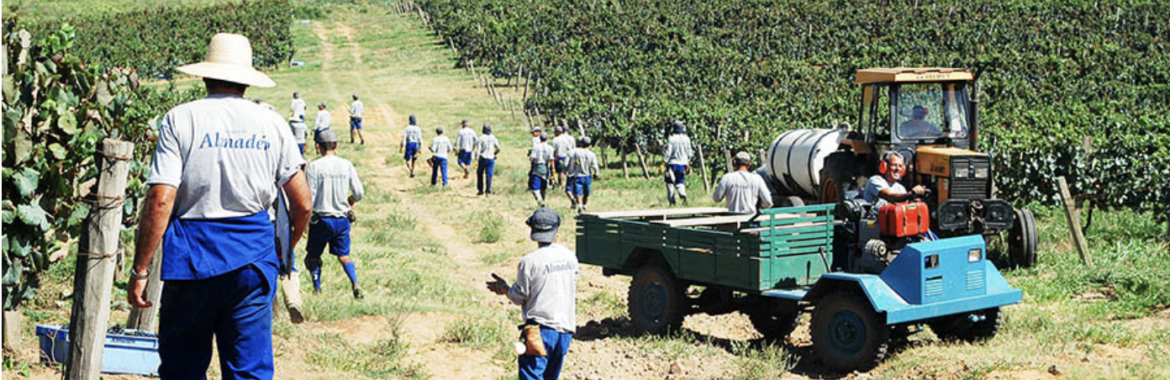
351,271
316,274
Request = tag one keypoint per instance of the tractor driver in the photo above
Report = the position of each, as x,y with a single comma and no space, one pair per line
917,126
884,187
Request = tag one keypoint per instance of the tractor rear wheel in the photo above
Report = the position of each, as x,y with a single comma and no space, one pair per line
1022,240
656,300
960,327
847,334
774,318
839,175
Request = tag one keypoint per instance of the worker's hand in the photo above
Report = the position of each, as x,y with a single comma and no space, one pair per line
137,293
920,190
688,171
596,177
498,286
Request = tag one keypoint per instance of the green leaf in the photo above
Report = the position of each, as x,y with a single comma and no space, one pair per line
32,214
67,123
19,248
26,181
12,274
58,151
23,145
80,211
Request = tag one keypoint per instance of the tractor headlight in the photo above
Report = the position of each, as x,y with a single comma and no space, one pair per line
981,173
961,171
974,255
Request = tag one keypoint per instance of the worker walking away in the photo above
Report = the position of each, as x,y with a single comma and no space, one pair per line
411,143
440,147
465,143
296,108
745,191
536,136
323,120
216,169
300,132
355,119
562,145
582,169
538,173
546,290
487,147
678,162
336,187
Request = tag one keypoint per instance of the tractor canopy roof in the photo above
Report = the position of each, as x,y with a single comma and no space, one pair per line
912,74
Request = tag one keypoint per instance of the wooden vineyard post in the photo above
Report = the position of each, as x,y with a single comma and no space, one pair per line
625,166
94,277
144,319
703,168
642,160
727,156
1074,222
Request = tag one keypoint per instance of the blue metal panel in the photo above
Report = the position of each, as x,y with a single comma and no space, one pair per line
920,278
897,310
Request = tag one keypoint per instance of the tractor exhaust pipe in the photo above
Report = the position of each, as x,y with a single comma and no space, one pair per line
974,135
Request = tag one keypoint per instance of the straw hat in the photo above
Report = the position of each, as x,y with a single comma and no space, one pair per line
229,58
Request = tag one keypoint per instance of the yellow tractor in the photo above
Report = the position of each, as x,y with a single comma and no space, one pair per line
929,116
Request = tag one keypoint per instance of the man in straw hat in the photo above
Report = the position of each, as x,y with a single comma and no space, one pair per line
219,164
546,290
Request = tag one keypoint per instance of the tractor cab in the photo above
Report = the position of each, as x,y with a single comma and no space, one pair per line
930,117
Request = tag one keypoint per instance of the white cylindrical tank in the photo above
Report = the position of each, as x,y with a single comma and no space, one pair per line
796,157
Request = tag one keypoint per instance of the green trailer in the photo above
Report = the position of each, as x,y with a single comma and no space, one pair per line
732,257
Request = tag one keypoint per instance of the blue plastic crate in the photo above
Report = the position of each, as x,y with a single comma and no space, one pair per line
131,352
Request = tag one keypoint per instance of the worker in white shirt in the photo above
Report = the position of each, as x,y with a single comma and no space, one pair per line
412,141
582,169
296,108
538,173
355,119
745,191
678,162
465,143
322,122
440,147
487,147
562,145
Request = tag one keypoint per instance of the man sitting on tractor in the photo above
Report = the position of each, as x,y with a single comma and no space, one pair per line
917,126
885,187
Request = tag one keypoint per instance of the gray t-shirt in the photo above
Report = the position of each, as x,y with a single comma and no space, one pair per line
355,109
563,144
582,163
297,106
412,134
546,287
299,130
440,146
540,156
331,180
874,187
465,140
678,150
744,192
486,147
226,156
323,120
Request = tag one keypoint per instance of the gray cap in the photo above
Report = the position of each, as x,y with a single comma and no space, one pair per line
439,129
536,129
679,127
466,123
322,104
413,121
543,136
355,96
560,129
326,136
585,140
487,128
744,157
296,94
544,223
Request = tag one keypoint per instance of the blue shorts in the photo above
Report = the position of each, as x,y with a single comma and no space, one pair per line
536,182
580,186
411,151
355,124
560,165
680,174
332,231
464,158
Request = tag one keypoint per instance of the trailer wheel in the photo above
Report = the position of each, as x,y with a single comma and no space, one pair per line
960,327
774,318
847,334
1022,240
656,300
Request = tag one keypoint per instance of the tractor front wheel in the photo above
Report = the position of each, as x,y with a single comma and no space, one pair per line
847,334
1022,240
656,300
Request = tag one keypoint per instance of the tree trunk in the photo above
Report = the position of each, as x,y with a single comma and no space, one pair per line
703,167
642,160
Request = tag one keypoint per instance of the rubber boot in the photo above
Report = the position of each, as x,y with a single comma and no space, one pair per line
539,198
682,192
670,193
290,288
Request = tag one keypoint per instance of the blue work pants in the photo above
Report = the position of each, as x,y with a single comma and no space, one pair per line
547,367
440,165
483,175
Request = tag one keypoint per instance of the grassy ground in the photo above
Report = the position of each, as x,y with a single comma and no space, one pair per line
423,254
